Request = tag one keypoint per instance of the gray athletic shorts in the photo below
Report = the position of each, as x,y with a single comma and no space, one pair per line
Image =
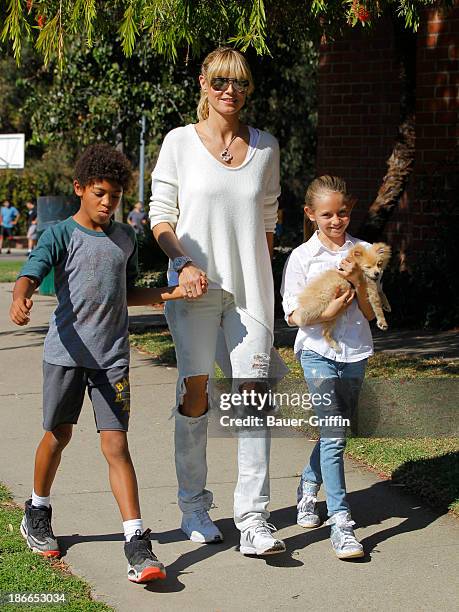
32,232
63,394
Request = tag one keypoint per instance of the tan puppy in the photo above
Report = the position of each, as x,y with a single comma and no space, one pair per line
318,294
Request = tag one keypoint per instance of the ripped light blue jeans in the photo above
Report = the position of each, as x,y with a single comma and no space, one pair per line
195,327
326,464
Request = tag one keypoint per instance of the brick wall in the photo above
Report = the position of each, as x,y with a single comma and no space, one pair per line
359,113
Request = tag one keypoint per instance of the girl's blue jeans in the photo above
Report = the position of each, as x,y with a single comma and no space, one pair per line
326,464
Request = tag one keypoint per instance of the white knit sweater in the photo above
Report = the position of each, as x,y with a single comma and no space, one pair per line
220,214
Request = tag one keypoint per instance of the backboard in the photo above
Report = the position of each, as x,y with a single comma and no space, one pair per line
11,151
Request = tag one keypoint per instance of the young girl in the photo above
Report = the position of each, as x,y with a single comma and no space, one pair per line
328,207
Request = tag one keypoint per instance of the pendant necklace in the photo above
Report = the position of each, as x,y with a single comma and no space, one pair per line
225,154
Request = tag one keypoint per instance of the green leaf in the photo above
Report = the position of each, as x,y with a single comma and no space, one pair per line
15,26
128,30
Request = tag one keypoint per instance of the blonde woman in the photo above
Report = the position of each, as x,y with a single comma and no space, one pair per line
213,211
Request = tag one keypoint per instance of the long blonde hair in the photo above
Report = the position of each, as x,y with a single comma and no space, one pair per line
318,187
224,61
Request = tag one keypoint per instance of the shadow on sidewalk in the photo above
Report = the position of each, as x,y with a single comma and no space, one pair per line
434,479
384,501
372,506
26,331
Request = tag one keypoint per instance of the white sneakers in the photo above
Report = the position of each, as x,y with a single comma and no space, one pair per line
344,542
257,539
306,497
199,527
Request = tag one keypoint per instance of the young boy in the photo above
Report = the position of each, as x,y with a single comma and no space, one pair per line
32,226
87,346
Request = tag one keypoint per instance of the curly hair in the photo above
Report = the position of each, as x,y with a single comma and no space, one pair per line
101,161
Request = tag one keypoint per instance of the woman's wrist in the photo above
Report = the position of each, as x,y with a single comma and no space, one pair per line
180,262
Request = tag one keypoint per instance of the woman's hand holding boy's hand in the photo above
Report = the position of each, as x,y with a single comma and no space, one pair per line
193,280
183,289
20,310
352,272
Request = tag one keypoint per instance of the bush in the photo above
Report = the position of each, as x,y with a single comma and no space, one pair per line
151,256
427,295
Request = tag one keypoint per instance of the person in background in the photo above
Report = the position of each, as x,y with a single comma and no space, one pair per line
137,218
9,216
32,226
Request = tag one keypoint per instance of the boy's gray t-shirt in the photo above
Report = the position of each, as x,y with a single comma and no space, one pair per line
92,272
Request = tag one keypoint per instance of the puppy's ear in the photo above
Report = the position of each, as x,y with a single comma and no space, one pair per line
357,251
383,250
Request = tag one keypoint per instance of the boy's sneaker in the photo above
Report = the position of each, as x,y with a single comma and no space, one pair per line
344,542
143,565
306,497
257,539
36,529
199,527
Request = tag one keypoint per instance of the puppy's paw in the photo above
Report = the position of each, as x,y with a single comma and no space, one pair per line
386,306
382,325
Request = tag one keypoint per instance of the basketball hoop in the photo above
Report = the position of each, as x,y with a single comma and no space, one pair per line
11,151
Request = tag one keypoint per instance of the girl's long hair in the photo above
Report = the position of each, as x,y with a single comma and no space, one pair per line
318,187
224,62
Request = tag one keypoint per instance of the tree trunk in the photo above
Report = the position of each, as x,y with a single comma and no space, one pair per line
401,160
399,168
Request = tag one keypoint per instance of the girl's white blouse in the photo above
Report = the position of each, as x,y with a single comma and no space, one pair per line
352,331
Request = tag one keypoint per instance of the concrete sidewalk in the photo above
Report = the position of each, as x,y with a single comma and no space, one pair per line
411,551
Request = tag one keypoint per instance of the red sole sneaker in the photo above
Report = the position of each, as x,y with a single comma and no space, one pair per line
49,553
149,574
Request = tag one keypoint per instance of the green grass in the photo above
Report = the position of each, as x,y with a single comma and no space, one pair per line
428,467
23,571
158,344
9,270
384,365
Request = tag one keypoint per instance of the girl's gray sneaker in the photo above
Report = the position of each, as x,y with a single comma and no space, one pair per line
306,497
344,542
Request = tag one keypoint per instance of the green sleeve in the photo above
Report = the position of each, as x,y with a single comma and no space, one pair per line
50,250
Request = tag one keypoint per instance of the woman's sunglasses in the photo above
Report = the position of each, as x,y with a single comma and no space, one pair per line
222,84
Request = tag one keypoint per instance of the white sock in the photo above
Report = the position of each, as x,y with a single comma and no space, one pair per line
40,501
130,527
